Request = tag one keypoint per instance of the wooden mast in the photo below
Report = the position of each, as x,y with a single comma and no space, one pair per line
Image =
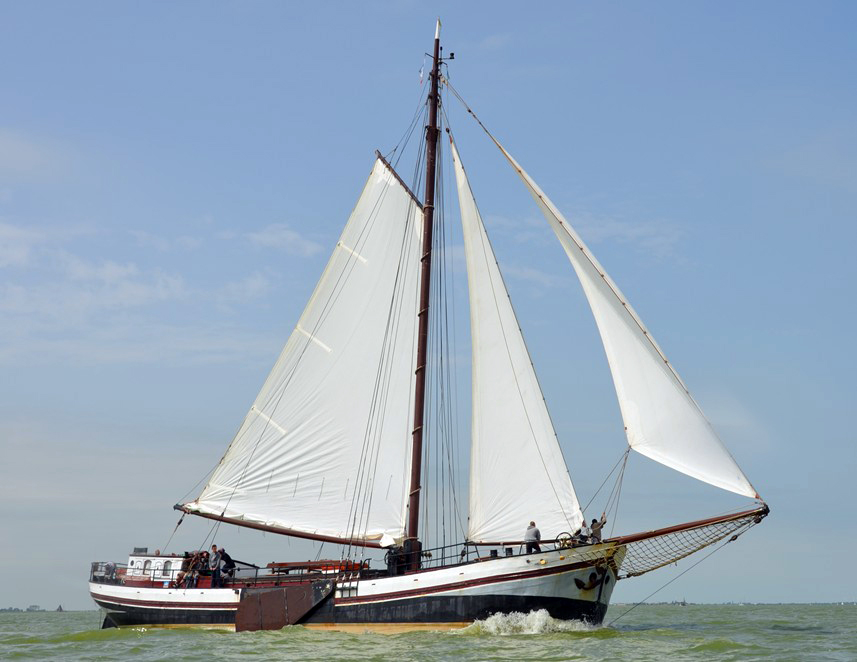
425,291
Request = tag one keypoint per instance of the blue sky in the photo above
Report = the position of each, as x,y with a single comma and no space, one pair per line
174,175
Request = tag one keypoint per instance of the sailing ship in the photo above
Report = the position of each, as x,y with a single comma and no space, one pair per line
332,448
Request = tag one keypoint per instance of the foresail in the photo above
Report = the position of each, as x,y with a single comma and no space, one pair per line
324,450
517,471
662,420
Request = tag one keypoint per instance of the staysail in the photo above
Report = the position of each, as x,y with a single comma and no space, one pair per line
517,471
662,420
323,451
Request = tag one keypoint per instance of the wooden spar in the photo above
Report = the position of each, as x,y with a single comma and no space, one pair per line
399,179
760,512
425,291
357,542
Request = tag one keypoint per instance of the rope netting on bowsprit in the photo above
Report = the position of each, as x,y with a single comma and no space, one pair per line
642,553
648,554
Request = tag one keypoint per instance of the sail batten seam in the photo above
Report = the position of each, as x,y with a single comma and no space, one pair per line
315,340
270,421
352,252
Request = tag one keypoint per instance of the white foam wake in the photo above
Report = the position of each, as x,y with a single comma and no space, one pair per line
534,622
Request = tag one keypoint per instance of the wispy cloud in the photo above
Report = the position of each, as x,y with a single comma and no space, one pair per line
138,339
735,421
107,272
281,237
50,282
70,465
81,289
828,158
254,286
653,237
531,275
57,304
494,42
527,230
22,155
658,238
164,244
124,285
17,244
505,223
22,246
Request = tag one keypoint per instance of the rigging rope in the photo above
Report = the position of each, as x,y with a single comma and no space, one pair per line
686,570
447,450
422,106
616,494
181,519
370,451
622,458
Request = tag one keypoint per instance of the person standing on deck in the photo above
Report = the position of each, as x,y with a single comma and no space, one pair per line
532,538
214,565
596,527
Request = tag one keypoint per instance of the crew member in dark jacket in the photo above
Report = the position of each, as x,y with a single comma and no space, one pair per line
228,563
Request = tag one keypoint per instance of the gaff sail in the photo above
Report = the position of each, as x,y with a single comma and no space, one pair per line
323,451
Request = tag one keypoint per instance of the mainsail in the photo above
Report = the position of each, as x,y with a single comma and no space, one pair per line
662,420
517,471
323,451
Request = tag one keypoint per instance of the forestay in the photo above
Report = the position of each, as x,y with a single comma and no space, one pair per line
517,471
324,450
662,420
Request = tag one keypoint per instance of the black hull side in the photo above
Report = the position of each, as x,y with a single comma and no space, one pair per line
454,609
129,615
424,610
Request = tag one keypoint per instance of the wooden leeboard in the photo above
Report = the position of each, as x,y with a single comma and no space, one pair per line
274,608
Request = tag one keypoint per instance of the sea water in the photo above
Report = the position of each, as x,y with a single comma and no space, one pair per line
648,632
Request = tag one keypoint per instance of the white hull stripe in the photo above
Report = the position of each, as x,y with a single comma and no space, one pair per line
157,604
461,586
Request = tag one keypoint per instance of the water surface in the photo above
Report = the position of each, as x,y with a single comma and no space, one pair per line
649,632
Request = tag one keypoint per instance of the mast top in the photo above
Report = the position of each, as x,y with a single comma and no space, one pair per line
437,30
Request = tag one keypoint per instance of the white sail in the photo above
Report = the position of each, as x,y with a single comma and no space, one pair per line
325,448
662,420
517,471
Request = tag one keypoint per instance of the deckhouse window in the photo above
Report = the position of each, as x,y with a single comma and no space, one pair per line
167,567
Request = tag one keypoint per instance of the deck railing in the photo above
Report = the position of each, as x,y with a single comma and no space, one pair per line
108,572
157,574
